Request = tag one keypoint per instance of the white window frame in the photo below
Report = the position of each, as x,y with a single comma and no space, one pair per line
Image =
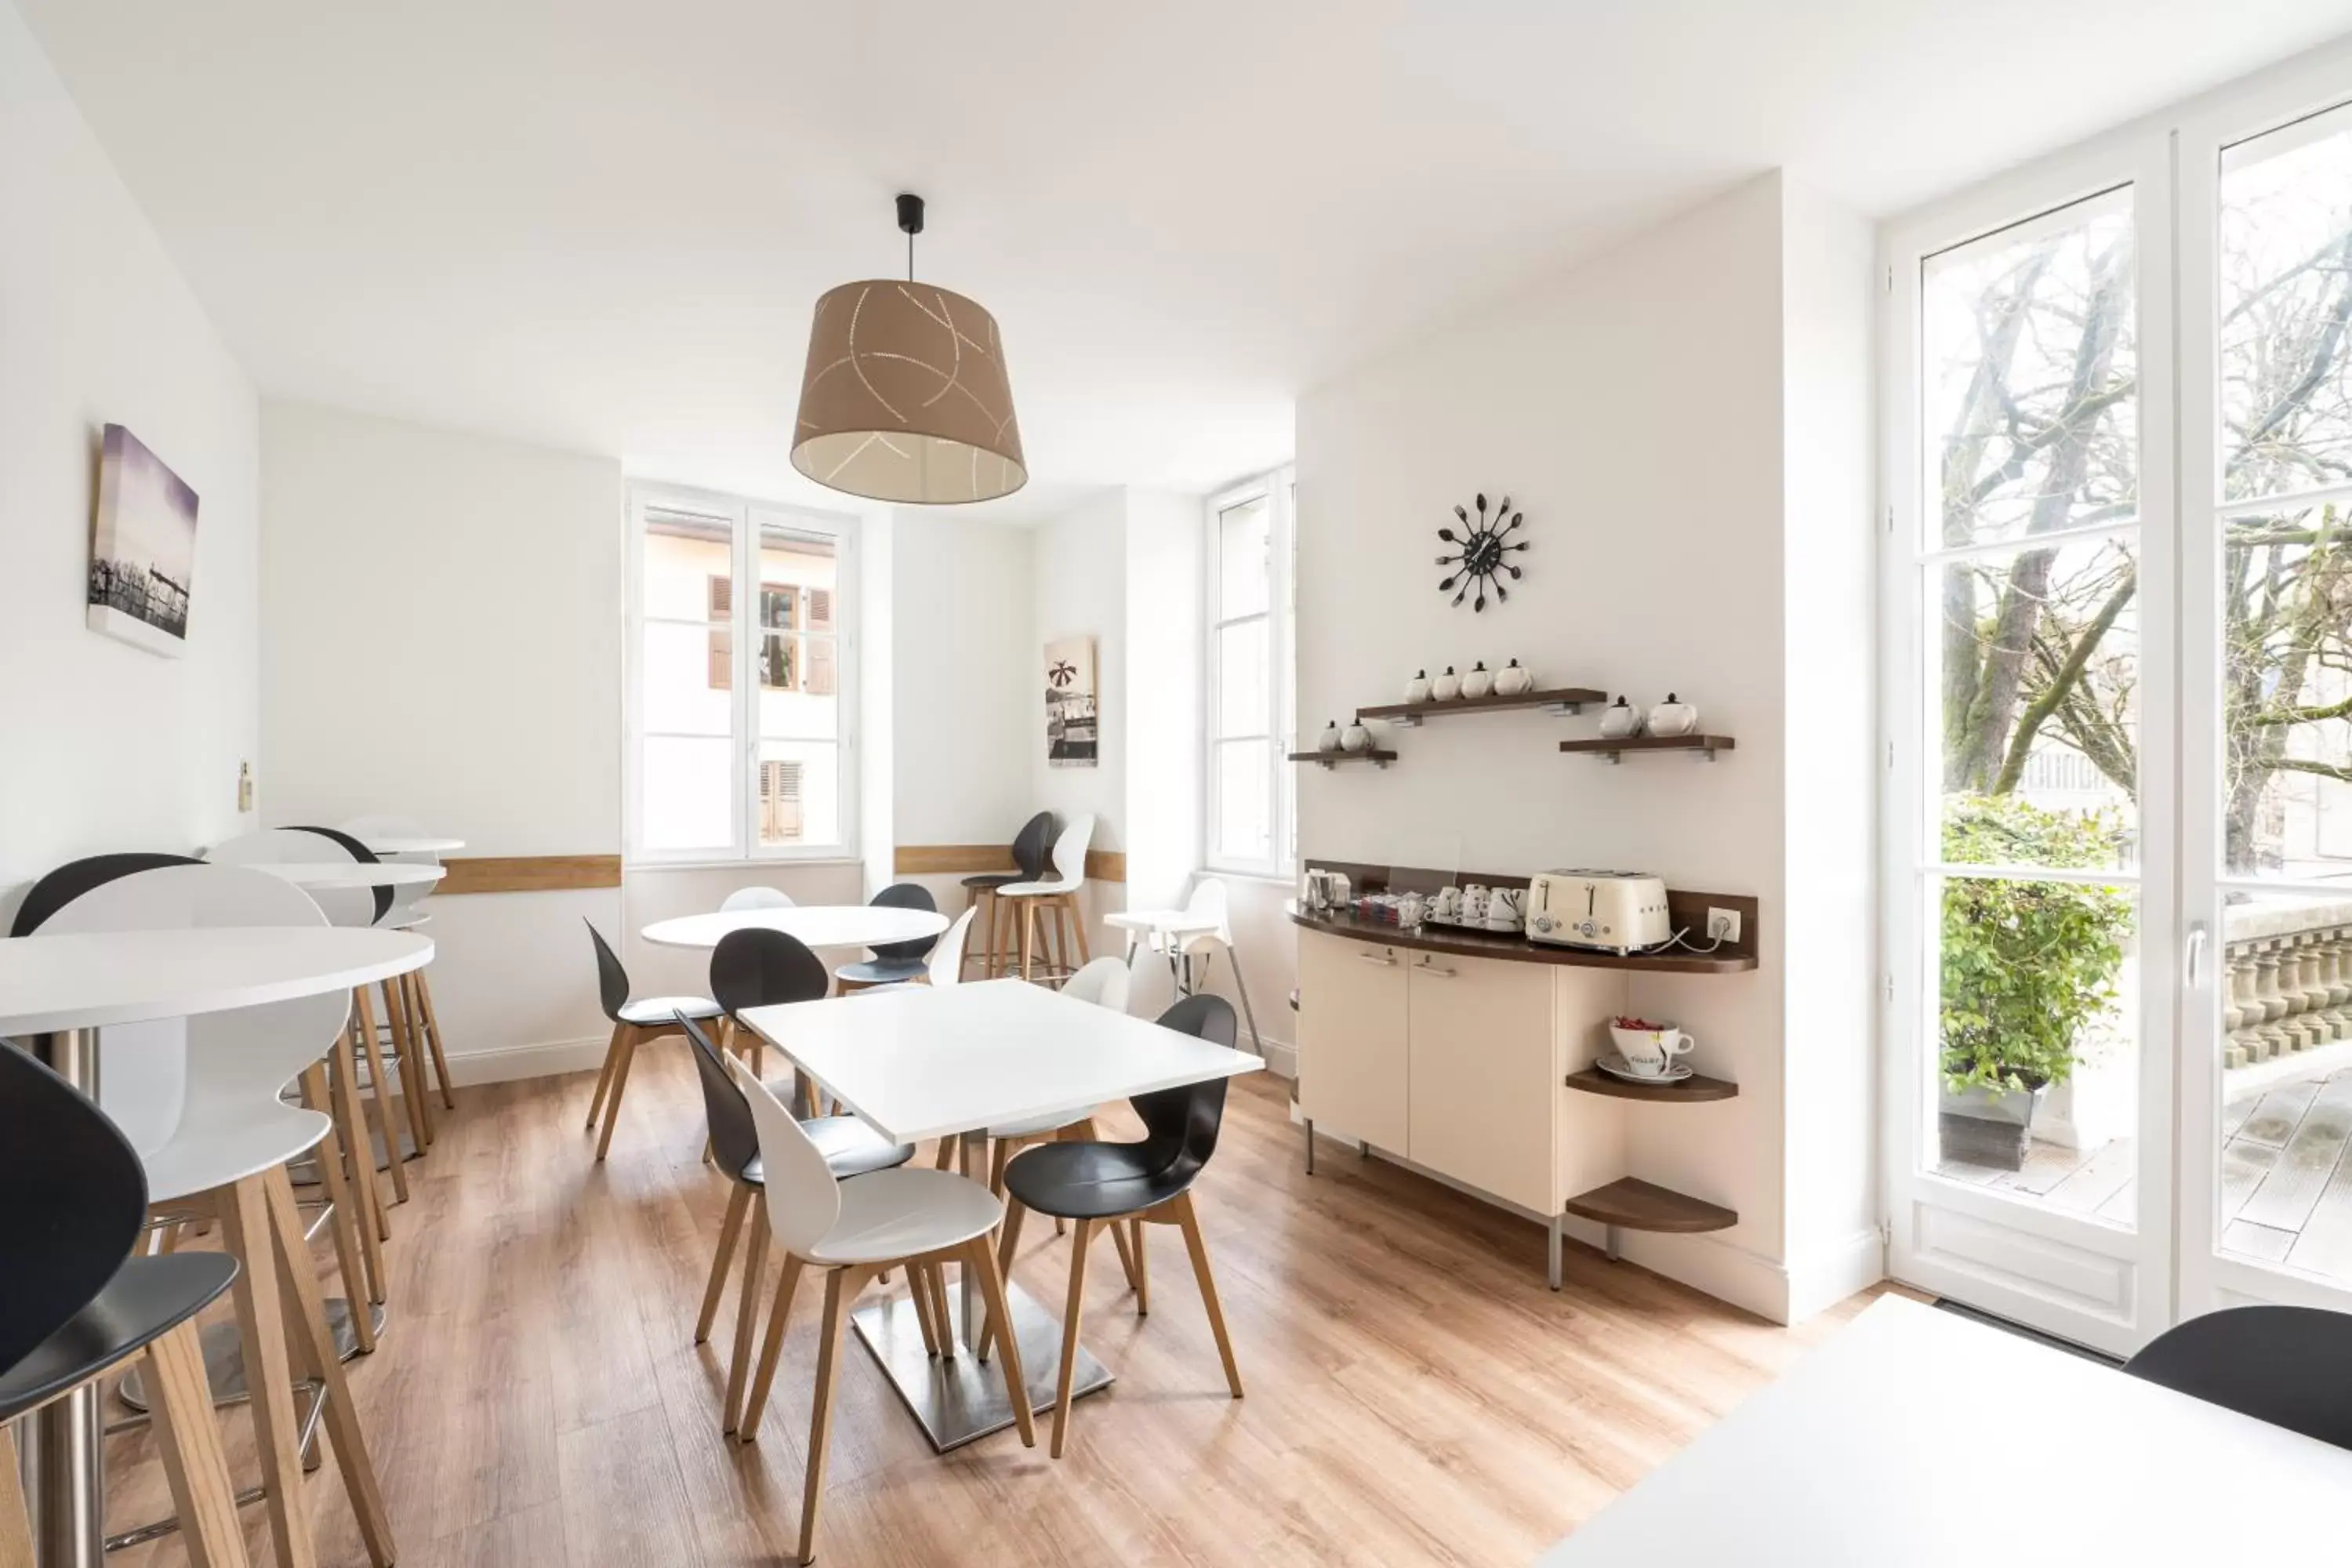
744,517
1279,488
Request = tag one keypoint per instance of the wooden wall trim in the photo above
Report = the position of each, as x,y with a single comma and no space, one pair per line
529,873
965,859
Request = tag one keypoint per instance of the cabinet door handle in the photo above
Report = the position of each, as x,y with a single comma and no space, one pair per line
1385,959
1427,967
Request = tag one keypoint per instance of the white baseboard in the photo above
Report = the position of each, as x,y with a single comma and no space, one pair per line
1281,1058
1826,1276
504,1064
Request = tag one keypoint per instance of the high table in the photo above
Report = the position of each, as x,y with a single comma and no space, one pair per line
63,991
816,925
952,1061
349,873
1918,1437
414,846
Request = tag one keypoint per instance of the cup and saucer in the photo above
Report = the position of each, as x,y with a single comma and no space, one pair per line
1646,1052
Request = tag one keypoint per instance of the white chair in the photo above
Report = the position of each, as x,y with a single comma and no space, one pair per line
906,1217
295,846
756,899
1058,896
216,1145
1180,934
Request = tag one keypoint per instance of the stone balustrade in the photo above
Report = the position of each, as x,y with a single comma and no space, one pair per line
2289,978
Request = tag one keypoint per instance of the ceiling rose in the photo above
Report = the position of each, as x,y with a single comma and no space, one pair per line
905,397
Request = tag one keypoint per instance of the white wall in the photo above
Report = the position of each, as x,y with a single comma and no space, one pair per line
1078,587
441,637
109,747
1632,408
1160,698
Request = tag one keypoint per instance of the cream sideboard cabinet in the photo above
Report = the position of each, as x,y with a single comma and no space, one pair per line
1479,1069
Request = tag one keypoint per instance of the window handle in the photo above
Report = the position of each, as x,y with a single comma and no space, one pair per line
2194,961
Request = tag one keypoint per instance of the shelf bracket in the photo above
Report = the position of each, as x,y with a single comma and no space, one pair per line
1570,708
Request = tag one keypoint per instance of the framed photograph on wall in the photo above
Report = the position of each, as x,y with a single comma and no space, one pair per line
1072,709
142,547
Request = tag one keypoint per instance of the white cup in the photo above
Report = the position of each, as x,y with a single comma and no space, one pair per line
1651,1052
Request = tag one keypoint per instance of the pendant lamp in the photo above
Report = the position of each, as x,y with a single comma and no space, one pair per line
905,397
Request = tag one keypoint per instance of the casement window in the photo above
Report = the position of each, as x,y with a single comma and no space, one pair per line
740,680
1251,795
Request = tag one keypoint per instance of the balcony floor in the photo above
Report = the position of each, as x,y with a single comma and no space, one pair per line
2286,1183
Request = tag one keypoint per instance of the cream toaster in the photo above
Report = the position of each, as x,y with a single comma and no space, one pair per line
1619,911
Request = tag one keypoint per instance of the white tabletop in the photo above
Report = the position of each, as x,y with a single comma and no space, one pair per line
1171,921
817,925
90,980
1918,1437
349,873
414,846
930,1061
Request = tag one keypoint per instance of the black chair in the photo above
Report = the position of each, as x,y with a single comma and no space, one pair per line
1100,1185
1030,848
850,1149
757,967
362,855
633,1022
75,878
2291,1366
78,1304
893,961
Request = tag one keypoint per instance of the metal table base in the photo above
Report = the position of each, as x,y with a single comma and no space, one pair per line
961,1398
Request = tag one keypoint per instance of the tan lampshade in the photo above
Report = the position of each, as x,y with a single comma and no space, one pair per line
906,398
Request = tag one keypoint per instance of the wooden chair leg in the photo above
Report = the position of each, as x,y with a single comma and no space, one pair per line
246,1232
188,1438
997,1161
946,1160
350,1259
918,1289
378,1099
1190,1225
747,1308
1126,1254
992,1289
1078,930
629,1041
604,1077
433,1035
747,1427
351,1134
1071,1313
940,1312
1028,925
1142,1270
739,1198
413,1098
314,1356
16,1520
840,1288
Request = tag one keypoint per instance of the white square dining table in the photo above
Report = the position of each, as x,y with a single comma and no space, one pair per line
947,1061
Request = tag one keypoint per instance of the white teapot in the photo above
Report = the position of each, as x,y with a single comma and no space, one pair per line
1621,721
1329,740
1673,717
1446,687
1479,682
1417,688
1355,739
1514,679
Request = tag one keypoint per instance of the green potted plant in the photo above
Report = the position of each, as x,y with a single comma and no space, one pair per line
2027,965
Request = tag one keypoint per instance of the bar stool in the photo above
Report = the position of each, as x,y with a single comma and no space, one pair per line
892,961
78,1305
1180,935
852,1231
1058,896
406,914
1096,1186
1029,864
633,1022
850,1149
149,1101
223,1156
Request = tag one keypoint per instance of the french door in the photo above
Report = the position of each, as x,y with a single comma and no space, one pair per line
2118,618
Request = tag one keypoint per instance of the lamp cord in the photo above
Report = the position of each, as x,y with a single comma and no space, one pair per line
910,257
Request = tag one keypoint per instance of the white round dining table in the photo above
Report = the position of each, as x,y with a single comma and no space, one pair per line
414,846
62,991
349,873
816,925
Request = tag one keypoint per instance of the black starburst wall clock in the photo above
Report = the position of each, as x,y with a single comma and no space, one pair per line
1482,547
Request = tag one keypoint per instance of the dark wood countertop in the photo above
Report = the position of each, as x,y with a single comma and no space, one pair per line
1464,943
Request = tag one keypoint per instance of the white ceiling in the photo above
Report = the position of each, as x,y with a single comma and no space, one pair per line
601,223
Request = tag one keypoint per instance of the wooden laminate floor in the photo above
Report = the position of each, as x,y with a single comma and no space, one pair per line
1416,1395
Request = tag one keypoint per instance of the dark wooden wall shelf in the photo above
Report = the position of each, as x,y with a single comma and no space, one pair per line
1377,757
1706,745
1559,700
1692,1090
1631,1204
1465,943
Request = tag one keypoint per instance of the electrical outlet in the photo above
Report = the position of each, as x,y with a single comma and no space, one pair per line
1723,925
